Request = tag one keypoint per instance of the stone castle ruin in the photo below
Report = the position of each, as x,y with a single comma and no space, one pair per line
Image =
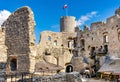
69,50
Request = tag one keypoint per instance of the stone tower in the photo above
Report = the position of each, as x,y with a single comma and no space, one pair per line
67,24
117,11
19,39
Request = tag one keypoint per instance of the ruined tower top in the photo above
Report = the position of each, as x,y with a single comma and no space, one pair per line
67,24
19,29
117,11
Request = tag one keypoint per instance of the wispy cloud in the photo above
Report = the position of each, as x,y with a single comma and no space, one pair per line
4,14
86,17
55,27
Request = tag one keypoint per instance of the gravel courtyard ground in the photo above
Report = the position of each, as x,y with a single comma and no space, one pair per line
94,80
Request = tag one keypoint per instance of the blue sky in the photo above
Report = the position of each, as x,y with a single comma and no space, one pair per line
48,12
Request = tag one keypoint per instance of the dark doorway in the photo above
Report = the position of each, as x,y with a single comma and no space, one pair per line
74,43
92,50
69,68
13,65
83,43
105,49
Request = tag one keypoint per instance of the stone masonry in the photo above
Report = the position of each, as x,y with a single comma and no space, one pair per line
19,40
71,48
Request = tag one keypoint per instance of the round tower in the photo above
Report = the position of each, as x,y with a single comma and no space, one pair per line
67,24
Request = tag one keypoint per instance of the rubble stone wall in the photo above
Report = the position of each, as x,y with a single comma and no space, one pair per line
47,40
100,34
19,38
3,48
65,77
94,37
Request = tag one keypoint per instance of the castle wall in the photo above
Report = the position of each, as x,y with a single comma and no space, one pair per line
3,55
3,48
95,37
19,39
89,42
60,49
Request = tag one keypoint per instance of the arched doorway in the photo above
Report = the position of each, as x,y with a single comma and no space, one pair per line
69,68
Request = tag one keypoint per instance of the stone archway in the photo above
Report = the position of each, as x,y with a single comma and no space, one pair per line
69,68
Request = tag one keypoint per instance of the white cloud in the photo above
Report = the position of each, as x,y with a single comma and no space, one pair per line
4,14
94,13
86,17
